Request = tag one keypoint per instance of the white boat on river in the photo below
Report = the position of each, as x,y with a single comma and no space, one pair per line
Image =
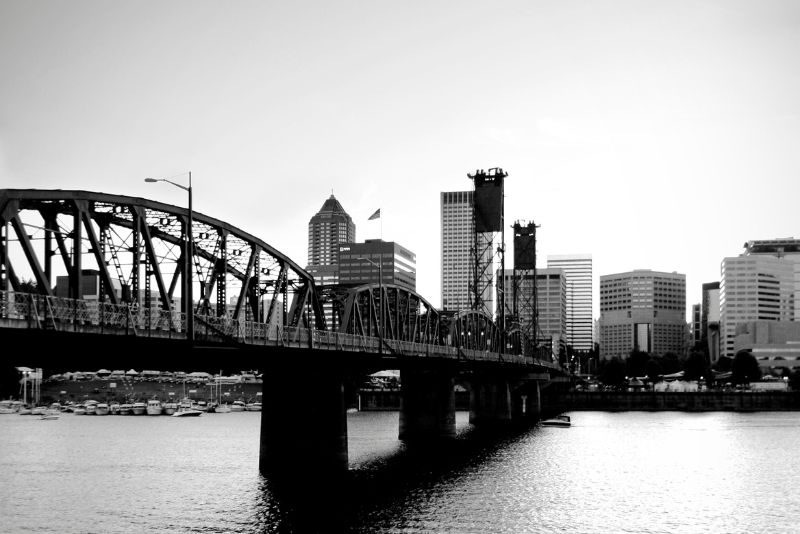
559,420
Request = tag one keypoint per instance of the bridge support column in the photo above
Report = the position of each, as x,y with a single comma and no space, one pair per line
427,405
501,401
531,401
490,401
303,424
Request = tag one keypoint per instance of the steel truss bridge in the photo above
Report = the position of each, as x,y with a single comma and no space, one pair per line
79,261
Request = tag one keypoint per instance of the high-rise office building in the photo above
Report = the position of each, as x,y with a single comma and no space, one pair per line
786,248
327,229
697,331
458,242
578,271
642,310
398,264
709,320
551,304
774,344
754,287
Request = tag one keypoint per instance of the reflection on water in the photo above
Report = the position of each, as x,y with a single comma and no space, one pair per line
610,472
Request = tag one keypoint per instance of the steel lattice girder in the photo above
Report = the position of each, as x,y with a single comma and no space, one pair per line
475,330
406,315
132,241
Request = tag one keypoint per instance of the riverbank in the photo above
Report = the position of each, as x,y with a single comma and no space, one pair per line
697,401
389,400
141,390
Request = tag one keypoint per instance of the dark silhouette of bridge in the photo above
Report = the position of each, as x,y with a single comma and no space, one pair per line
87,277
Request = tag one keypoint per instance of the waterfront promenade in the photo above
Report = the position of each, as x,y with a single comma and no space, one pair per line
611,401
695,401
138,390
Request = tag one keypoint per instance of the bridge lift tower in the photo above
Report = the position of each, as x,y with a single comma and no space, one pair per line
524,287
525,291
488,217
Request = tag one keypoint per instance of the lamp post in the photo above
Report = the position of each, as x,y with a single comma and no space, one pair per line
380,290
188,259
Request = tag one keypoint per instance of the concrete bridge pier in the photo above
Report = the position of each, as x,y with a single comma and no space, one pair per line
427,405
303,424
499,400
531,400
490,401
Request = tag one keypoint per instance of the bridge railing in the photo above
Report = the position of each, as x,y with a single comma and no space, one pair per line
57,313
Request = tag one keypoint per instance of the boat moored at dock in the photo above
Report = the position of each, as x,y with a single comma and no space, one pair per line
154,407
200,405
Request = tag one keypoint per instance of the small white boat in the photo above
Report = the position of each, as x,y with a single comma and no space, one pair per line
238,406
253,407
102,409
91,407
559,420
8,407
222,408
170,408
154,407
138,408
200,405
126,409
113,408
184,412
79,409
49,416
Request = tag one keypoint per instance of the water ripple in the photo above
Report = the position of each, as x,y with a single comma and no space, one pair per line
652,473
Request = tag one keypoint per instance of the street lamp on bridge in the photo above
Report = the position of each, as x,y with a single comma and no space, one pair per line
189,257
380,290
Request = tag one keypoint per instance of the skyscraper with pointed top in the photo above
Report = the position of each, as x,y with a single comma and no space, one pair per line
329,228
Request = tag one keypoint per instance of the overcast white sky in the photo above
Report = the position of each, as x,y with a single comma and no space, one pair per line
651,134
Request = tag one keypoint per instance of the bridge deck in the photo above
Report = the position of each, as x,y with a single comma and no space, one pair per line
28,311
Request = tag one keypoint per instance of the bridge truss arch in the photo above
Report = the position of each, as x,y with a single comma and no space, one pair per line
407,316
130,251
476,330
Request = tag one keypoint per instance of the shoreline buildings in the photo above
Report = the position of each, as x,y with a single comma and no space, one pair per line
458,242
398,264
762,284
327,229
578,272
787,249
551,305
642,310
709,320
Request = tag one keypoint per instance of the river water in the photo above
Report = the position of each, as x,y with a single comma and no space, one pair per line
665,472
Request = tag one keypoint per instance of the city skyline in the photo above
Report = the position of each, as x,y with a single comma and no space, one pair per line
634,132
